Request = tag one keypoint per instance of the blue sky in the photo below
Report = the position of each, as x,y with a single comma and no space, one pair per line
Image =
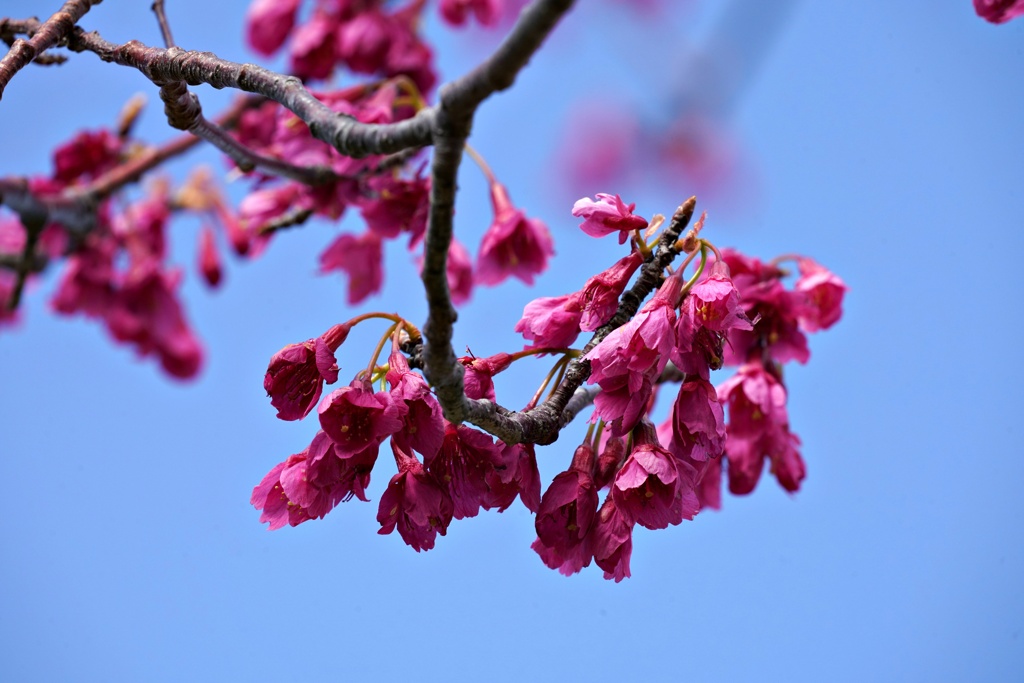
883,139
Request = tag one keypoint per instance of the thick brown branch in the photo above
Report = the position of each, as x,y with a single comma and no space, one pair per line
49,33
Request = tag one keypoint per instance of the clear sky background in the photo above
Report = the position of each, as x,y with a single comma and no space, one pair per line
884,139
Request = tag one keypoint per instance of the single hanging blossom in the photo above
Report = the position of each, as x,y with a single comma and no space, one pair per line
551,321
613,541
609,214
566,516
824,296
296,374
515,475
479,378
414,503
999,11
599,298
652,488
268,23
514,245
362,258
209,257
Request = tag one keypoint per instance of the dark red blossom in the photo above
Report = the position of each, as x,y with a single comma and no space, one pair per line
652,488
87,155
414,503
209,258
599,298
423,428
566,516
514,475
999,11
613,541
296,374
358,419
479,378
513,245
758,429
462,466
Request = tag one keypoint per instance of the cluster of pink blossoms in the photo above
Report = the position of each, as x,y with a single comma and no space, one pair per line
734,310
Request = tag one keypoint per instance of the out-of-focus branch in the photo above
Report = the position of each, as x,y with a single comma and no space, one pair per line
48,34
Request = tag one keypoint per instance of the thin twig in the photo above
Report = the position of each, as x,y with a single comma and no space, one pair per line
48,34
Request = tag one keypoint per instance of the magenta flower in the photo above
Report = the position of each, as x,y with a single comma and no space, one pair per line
613,541
209,257
514,244
759,428
310,484
609,214
486,12
710,312
566,516
824,292
399,206
551,321
459,270
296,374
268,23
613,452
87,155
423,428
479,378
312,51
650,488
627,361
357,419
515,475
364,41
414,503
599,298
362,258
462,465
999,11
698,422
775,309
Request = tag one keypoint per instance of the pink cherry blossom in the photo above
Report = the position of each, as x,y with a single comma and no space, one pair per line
479,378
999,11
362,258
608,215
462,466
455,12
599,298
551,321
460,273
759,428
513,245
566,516
268,23
613,541
423,428
414,503
824,296
87,155
364,41
209,258
312,51
651,489
698,422
398,206
357,419
710,312
627,361
515,475
613,452
296,375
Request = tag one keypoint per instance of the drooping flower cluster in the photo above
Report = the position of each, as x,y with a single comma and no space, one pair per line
732,310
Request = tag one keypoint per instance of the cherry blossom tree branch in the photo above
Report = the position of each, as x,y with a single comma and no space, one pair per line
542,424
45,36
453,120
